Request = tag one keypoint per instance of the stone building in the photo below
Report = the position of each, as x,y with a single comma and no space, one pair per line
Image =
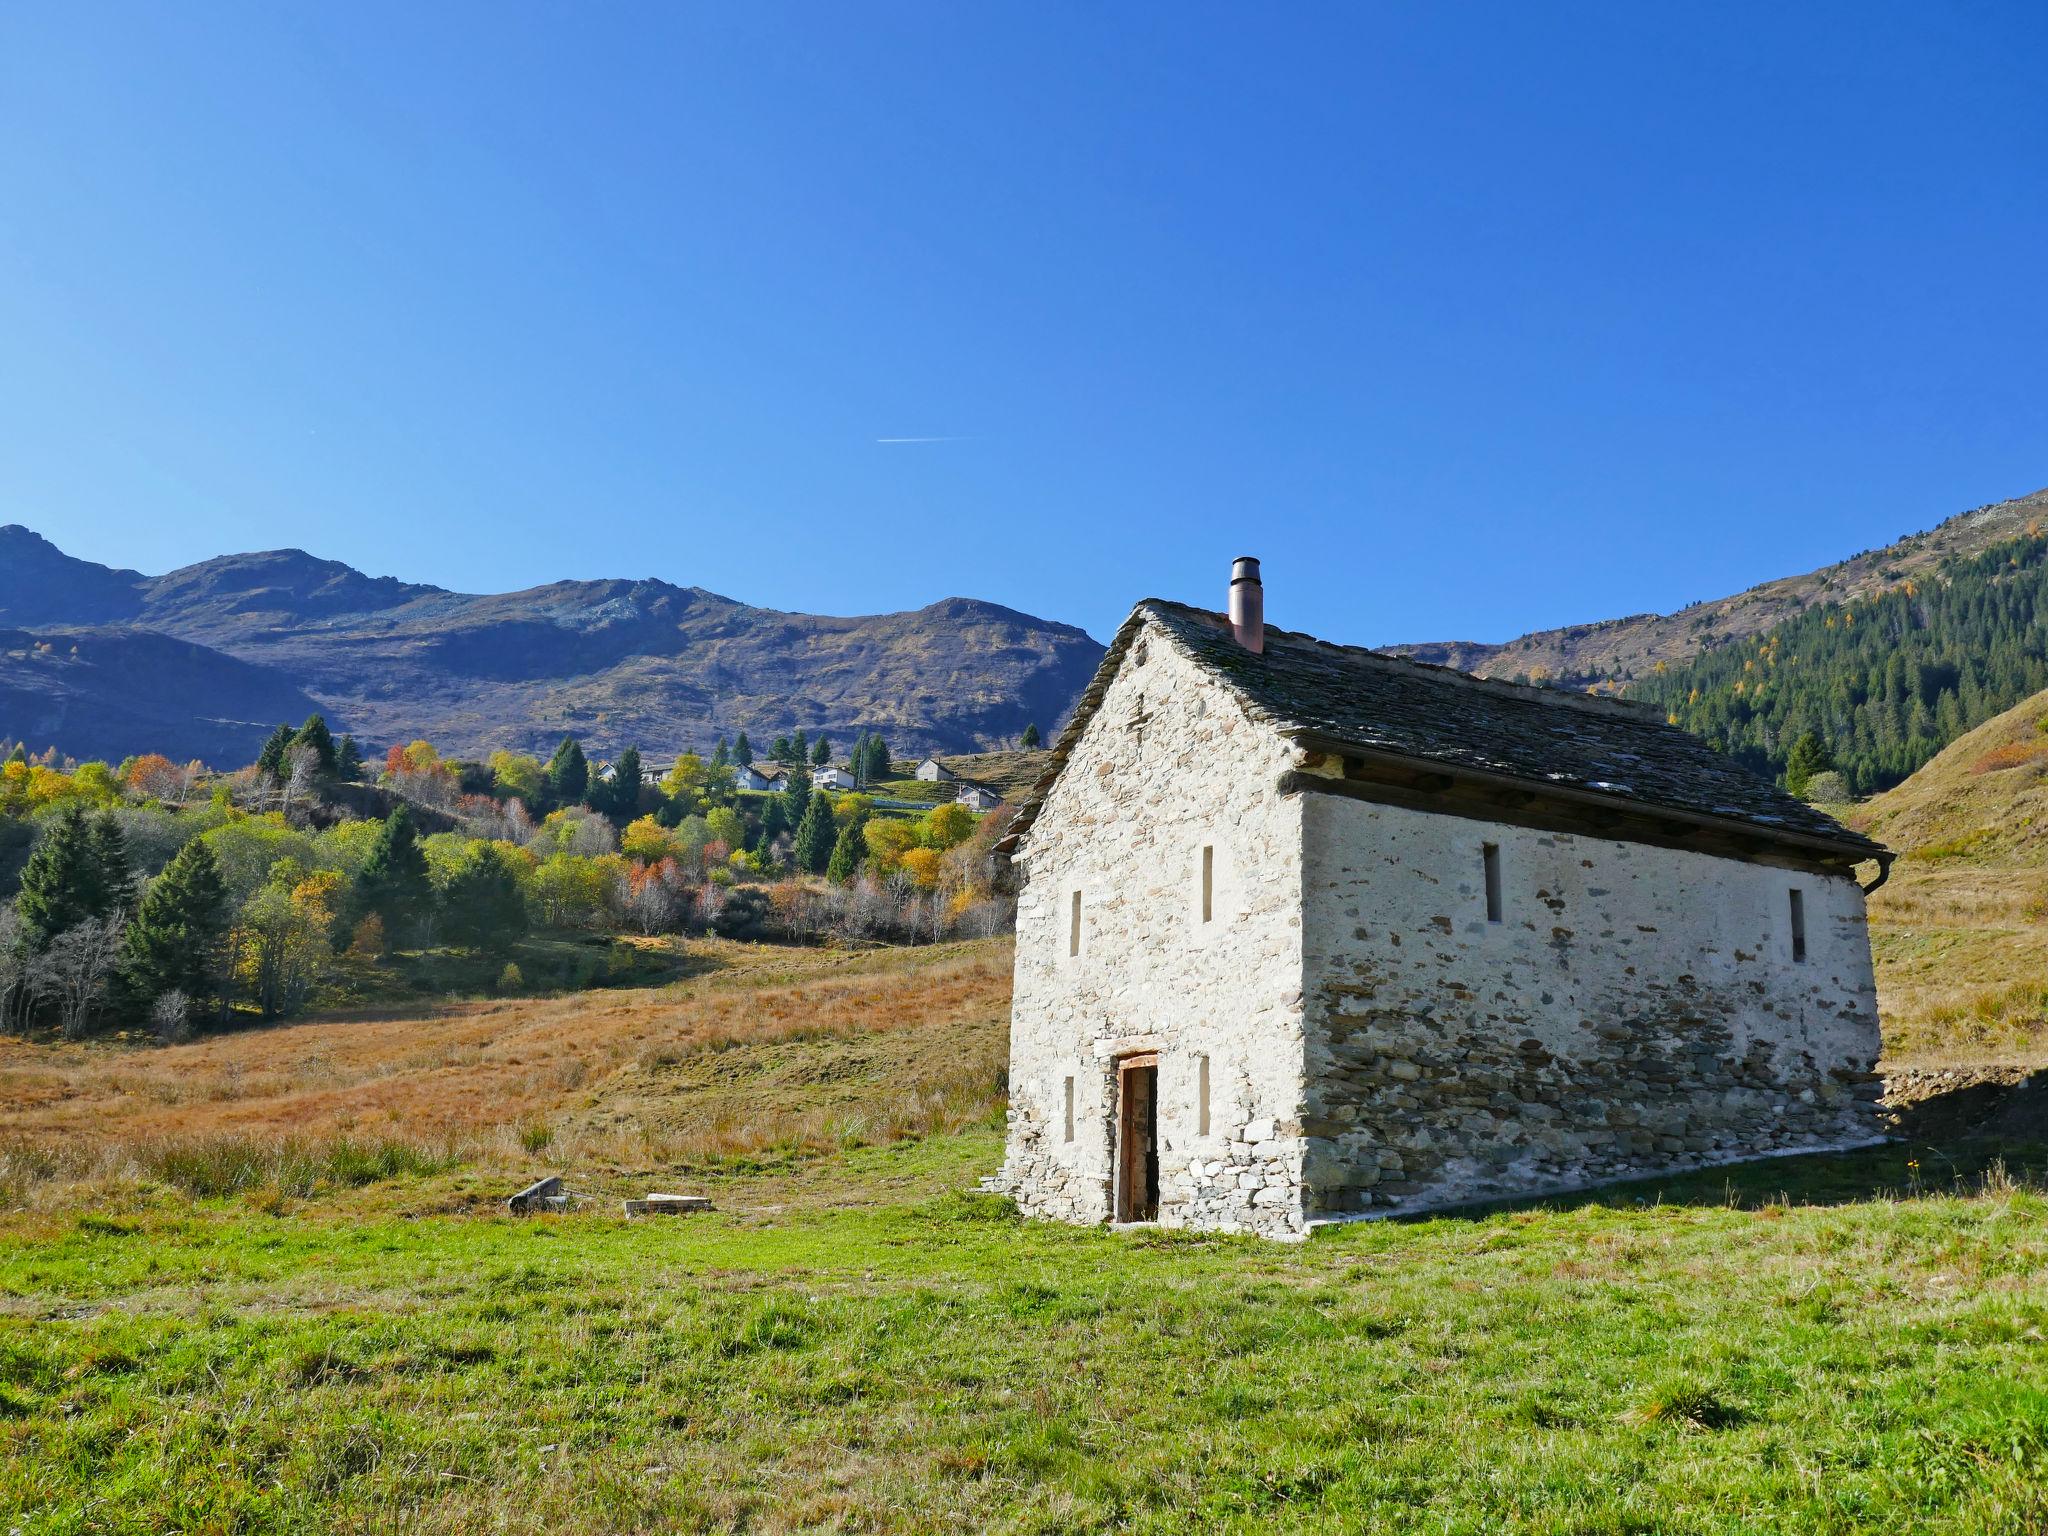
1305,932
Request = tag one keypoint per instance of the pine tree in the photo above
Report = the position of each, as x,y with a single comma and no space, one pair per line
799,748
742,751
815,835
878,759
314,734
270,762
622,804
721,755
796,794
1809,756
1031,737
821,750
60,885
178,940
847,853
483,906
348,761
393,886
568,773
773,822
113,877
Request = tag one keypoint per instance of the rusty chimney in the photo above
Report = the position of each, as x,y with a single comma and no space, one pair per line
1247,605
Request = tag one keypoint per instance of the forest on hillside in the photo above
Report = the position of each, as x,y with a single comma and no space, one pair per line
148,894
1884,682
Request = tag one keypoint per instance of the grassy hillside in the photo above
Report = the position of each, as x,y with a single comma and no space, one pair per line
1960,931
263,1283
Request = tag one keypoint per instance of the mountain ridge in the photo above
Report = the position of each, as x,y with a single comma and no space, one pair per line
616,661
1609,653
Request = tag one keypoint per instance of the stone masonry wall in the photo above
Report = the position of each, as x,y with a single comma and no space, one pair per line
1168,765
1637,1010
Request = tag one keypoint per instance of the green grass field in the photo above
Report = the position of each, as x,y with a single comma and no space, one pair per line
853,1343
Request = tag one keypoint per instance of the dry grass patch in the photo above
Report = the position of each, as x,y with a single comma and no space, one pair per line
765,1050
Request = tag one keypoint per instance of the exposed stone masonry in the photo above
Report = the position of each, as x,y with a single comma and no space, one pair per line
1375,1043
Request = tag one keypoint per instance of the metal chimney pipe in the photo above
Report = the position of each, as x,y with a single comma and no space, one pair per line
1247,605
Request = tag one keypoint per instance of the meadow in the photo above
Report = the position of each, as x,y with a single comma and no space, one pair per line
263,1282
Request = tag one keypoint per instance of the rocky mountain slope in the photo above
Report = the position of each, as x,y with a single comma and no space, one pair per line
109,692
1614,651
614,662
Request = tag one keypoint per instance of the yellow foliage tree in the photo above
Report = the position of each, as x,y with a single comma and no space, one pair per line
923,866
648,841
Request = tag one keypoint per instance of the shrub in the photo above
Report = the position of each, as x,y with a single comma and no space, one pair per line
1829,787
510,979
744,910
2013,754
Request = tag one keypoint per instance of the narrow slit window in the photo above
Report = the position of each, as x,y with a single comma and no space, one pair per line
1074,927
1201,1095
1490,856
1070,1109
1799,925
1208,882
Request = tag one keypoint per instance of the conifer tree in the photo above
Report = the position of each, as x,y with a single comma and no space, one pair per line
622,804
314,734
878,758
773,822
113,877
60,886
815,835
393,886
271,760
799,748
721,755
568,773
178,939
1809,756
821,750
847,853
742,751
796,794
1031,736
483,905
348,761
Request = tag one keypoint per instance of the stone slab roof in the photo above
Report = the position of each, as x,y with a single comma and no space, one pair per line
1348,699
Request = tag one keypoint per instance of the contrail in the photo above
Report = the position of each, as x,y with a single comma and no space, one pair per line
920,439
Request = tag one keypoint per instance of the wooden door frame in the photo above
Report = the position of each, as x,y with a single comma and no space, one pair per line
1125,1201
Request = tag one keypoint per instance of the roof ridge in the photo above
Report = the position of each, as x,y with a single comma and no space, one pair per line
1559,698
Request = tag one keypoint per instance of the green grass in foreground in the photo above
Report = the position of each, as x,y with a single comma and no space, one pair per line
1671,1359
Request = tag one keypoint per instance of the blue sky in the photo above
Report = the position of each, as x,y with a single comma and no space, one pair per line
1466,319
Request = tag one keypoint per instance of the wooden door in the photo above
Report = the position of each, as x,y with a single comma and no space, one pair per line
1137,1138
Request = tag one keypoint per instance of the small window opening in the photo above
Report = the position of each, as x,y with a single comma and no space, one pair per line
1491,856
1074,927
1799,925
1070,1109
1202,1095
1208,882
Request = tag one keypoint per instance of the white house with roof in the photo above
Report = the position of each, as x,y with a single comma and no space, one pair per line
977,797
1307,933
833,778
932,771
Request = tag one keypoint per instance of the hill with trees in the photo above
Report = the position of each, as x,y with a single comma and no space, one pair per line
1613,652
1881,682
614,662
